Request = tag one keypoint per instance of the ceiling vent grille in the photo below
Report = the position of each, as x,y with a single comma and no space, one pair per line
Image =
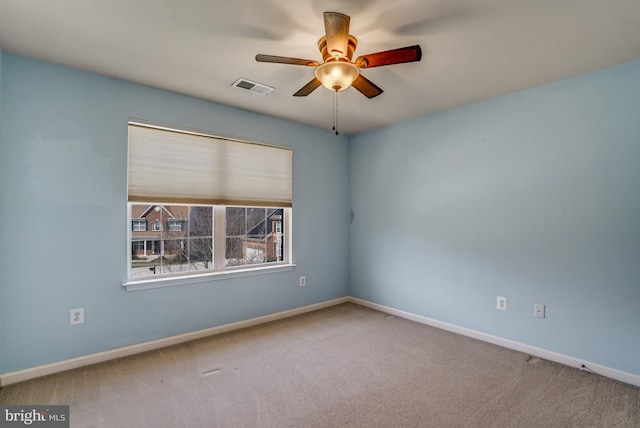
250,86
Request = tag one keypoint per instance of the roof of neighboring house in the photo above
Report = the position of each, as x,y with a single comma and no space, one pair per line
260,228
172,211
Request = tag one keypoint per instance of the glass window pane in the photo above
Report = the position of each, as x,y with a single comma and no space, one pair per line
236,221
233,255
256,221
142,266
255,249
200,253
201,221
141,244
275,236
174,258
175,224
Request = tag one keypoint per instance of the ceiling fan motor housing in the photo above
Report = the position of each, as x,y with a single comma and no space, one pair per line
352,43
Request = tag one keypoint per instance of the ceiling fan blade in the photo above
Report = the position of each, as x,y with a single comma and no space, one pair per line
394,56
286,60
366,86
336,27
308,88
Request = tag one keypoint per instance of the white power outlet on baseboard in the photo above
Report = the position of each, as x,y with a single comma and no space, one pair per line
501,303
303,281
76,316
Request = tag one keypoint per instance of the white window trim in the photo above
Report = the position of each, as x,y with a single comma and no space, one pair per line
219,250
146,284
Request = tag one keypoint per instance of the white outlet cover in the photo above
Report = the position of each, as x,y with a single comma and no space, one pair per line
76,316
501,303
538,310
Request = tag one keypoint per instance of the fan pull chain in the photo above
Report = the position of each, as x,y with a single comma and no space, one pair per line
335,111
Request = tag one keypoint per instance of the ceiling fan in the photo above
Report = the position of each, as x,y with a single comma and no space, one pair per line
337,72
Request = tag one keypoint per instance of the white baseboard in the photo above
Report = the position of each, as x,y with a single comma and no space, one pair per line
34,372
629,378
74,363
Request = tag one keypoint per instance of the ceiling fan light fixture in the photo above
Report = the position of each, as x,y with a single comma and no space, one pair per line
338,72
337,75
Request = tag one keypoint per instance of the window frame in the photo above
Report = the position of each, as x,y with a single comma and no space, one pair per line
139,242
219,271
172,223
139,222
232,155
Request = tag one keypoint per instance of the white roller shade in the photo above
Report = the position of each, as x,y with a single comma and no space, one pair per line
182,167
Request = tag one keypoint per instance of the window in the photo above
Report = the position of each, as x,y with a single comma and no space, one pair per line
250,235
176,251
248,238
138,246
174,225
225,204
138,225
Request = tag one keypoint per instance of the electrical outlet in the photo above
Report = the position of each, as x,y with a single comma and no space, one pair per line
303,281
501,303
538,310
76,316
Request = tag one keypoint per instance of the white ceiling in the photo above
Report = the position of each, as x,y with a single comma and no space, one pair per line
472,49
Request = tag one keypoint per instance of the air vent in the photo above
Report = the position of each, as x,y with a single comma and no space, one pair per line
250,86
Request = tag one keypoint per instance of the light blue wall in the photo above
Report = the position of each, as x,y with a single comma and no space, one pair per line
63,153
534,196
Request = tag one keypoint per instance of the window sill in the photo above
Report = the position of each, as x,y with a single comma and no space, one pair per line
145,284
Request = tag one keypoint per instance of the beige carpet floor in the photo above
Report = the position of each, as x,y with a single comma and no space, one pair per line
345,366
